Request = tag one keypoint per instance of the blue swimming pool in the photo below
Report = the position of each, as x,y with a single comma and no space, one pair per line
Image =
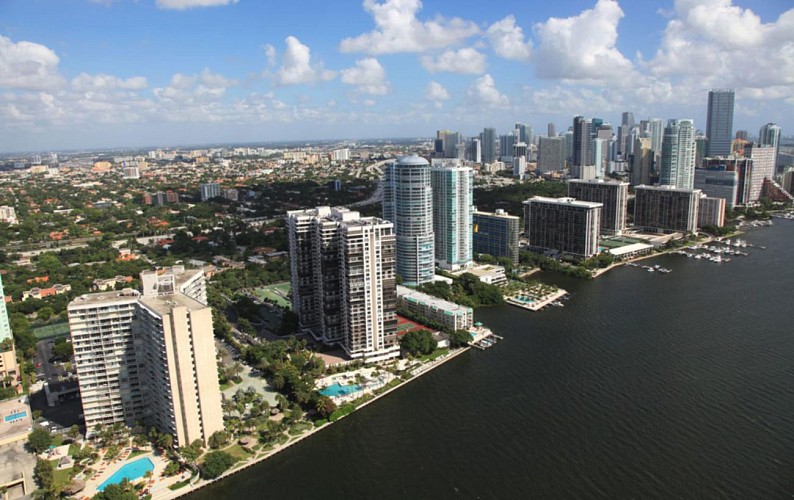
340,390
15,416
130,471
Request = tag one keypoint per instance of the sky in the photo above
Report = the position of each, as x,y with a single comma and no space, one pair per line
126,73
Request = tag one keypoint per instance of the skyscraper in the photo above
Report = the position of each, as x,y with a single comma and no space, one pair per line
452,213
488,143
613,195
769,135
582,142
562,226
551,154
642,161
678,155
551,130
506,146
148,358
763,168
408,203
210,190
719,124
343,280
666,208
496,234
524,133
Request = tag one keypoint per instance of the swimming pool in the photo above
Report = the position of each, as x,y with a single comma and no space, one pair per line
340,390
15,416
130,471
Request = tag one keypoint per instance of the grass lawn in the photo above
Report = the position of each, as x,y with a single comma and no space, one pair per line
269,293
299,428
62,477
57,439
228,384
237,452
282,438
435,354
135,453
52,330
73,448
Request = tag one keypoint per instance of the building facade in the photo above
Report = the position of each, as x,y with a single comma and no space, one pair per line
711,211
562,226
488,144
641,161
8,215
666,208
210,190
719,122
408,204
343,280
718,182
496,234
769,135
447,314
551,154
9,369
612,194
678,154
763,158
139,357
453,202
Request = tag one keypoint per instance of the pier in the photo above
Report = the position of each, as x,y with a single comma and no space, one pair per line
484,338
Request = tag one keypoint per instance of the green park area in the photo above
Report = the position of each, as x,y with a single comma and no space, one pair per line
277,293
51,330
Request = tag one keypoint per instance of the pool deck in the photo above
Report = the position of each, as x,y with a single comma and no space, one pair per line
105,471
538,304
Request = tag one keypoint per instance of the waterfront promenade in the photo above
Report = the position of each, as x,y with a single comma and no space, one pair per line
167,494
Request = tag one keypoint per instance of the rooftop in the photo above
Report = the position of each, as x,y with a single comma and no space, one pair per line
564,201
163,304
125,295
423,298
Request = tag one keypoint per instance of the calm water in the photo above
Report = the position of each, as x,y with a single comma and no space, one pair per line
642,386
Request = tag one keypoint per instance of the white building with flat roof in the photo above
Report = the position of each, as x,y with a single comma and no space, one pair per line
443,312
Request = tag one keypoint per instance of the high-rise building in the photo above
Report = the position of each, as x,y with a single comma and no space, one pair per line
210,190
562,226
408,203
475,150
678,155
718,182
656,134
600,157
496,234
183,396
582,141
551,154
744,171
742,135
148,358
769,135
506,146
568,135
711,211
8,215
519,159
551,130
9,369
453,203
719,122
666,208
524,133
169,280
488,143
641,161
763,168
613,195
343,281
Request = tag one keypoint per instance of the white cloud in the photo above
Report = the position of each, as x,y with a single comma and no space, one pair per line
368,76
466,60
483,92
399,30
436,93
86,82
713,43
507,40
28,65
296,66
582,47
270,52
189,4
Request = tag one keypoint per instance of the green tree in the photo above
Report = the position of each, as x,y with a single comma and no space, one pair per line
39,440
44,472
218,439
459,338
193,452
120,491
420,342
215,464
325,406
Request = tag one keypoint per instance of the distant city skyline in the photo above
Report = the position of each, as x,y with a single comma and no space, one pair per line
92,74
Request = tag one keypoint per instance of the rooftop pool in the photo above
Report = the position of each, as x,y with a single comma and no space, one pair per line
15,416
130,471
340,390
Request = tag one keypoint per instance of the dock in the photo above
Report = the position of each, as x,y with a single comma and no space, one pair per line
484,338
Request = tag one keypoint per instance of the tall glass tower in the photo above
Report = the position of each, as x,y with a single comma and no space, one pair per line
408,203
719,124
452,212
5,326
678,155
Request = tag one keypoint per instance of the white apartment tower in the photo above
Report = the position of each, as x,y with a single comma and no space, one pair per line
678,155
453,203
408,203
148,357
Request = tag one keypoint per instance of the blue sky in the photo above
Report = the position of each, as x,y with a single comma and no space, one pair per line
85,74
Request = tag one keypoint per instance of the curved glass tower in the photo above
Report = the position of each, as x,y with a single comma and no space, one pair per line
408,203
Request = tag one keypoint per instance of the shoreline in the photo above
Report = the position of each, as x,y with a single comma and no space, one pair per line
191,488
